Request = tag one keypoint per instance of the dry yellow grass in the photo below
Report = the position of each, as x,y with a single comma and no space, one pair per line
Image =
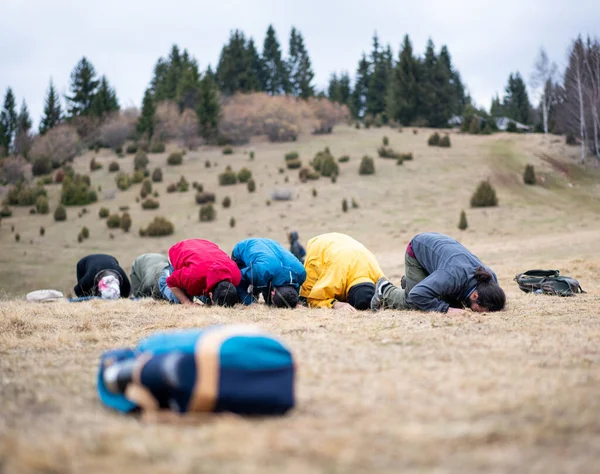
386,392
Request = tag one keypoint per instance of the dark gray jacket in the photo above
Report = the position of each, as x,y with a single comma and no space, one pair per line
451,269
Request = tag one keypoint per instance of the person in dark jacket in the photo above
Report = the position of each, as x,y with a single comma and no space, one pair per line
101,275
441,275
296,247
268,269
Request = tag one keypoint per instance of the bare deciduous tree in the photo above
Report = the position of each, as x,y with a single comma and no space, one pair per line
542,79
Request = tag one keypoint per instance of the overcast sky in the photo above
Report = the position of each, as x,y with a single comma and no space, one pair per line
40,39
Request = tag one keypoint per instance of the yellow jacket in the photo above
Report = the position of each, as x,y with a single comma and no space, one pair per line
335,263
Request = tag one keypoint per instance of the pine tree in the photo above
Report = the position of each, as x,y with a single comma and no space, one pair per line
516,101
361,87
333,89
22,142
345,90
208,108
105,100
174,73
403,93
256,66
378,79
235,72
8,121
277,79
188,88
52,111
457,89
496,109
299,67
437,92
84,85
145,124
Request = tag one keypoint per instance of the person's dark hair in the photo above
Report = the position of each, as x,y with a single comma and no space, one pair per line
489,293
285,297
225,294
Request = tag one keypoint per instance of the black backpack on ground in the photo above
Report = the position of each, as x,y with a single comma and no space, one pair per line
548,282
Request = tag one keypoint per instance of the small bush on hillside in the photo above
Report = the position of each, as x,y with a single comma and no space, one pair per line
24,195
399,161
140,161
293,164
367,166
203,198
131,149
126,222
59,176
486,130
385,152
344,205
41,205
232,222
157,175
119,150
570,139
415,131
207,213
529,175
41,166
484,196
113,221
158,227
292,155
94,165
405,156
183,185
207,164
157,147
175,159
333,178
354,204
226,202
172,188
244,175
434,139
474,126
32,211
5,211
378,121
325,164
60,213
251,157
42,231
137,177
251,186
150,204
314,192
103,213
445,141
123,208
306,174
77,192
228,150
227,178
462,222
344,159
385,141
368,120
511,127
17,237
146,188
123,181
85,232
113,167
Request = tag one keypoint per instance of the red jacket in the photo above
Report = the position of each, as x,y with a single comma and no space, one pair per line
199,265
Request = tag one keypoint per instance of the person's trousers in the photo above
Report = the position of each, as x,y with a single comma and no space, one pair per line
164,289
394,297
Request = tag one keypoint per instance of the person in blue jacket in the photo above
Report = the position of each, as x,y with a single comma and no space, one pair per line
268,269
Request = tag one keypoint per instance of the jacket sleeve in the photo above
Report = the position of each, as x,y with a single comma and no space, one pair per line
174,279
427,293
320,293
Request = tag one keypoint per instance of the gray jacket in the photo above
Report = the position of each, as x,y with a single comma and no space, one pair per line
451,269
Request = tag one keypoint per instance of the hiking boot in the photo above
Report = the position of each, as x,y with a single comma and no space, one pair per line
403,282
377,299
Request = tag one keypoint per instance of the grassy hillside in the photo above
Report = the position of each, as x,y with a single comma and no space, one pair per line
376,392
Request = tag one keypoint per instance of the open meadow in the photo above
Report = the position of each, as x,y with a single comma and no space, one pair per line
517,391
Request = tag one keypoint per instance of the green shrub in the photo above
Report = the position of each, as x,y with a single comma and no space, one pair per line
529,175
131,149
232,222
445,141
157,147
293,164
344,159
228,150
59,176
434,139
314,192
41,166
17,237
23,195
399,161
32,211
367,166
344,205
125,222
292,155
183,185
137,177
354,204
172,188
405,156
60,213
203,198
325,164
511,127
150,204
251,186
378,121
207,164
244,175
123,181
368,120
333,178
484,196
146,188
474,126
384,152
42,231
85,232
226,202
119,150
175,159
5,211
385,141
462,222
158,227
103,213
207,213
140,161
94,165
486,130
113,167
41,205
113,221
45,180
77,192
251,157
227,178
123,208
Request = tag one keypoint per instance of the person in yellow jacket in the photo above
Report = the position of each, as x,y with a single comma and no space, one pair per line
340,273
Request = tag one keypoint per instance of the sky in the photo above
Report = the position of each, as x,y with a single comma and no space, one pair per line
488,40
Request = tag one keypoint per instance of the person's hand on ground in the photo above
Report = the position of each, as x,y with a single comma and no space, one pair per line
338,305
456,311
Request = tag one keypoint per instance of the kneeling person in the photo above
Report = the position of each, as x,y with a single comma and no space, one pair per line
268,269
101,275
340,273
199,268
145,272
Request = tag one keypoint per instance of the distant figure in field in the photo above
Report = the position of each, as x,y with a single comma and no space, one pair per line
101,275
296,247
268,269
145,272
199,268
441,275
340,273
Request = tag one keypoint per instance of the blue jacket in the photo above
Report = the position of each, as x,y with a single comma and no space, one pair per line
451,268
265,264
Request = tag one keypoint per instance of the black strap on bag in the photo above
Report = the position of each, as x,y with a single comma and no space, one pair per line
548,282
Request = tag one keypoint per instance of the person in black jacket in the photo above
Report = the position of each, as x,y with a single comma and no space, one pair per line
441,275
101,275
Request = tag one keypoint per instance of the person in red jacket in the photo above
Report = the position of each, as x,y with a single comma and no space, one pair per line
200,268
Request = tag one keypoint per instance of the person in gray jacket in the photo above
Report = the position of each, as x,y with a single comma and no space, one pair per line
441,275
145,271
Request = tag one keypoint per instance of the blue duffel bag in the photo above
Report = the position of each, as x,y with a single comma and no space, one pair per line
234,368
